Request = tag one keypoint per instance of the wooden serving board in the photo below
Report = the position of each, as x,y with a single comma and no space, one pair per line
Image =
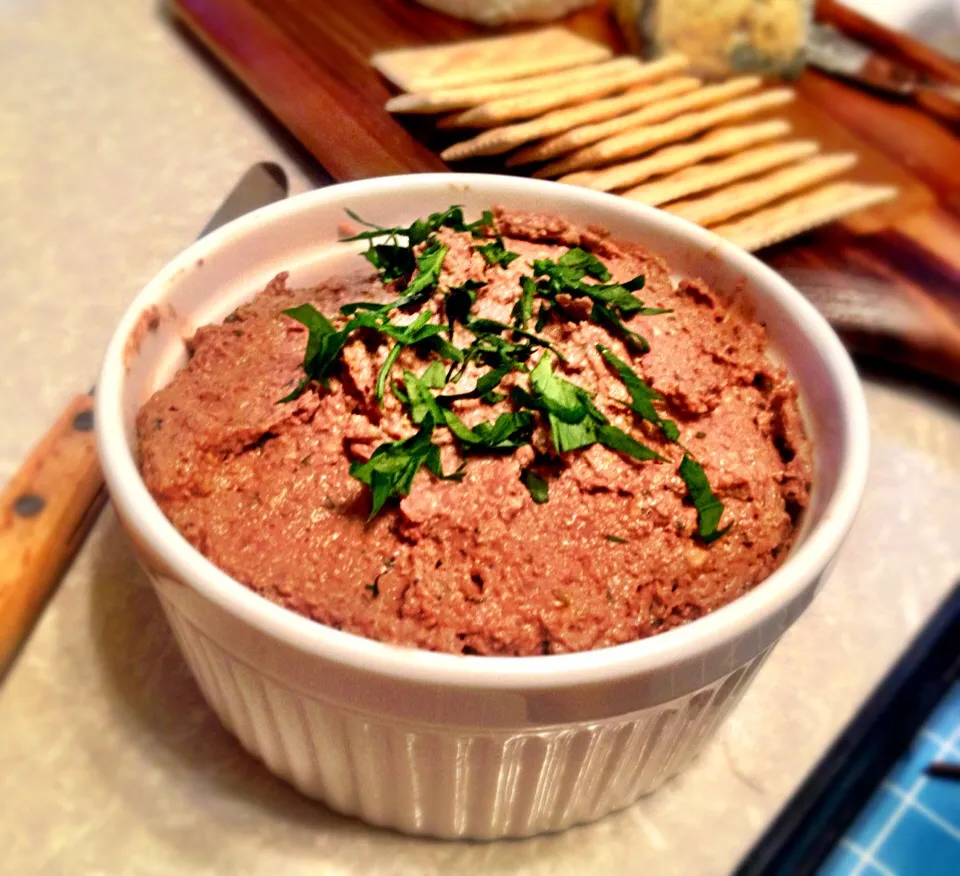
307,62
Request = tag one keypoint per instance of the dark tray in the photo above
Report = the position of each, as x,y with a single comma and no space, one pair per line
816,819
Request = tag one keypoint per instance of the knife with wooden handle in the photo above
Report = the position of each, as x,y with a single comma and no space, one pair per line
48,507
840,55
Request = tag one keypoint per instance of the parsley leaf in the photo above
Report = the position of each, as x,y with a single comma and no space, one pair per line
323,347
421,329
391,469
429,263
642,396
573,417
509,431
615,539
612,300
617,439
709,507
572,436
420,229
435,376
391,260
420,399
485,383
476,228
495,253
459,300
523,310
575,421
608,319
493,327
538,487
584,263
565,400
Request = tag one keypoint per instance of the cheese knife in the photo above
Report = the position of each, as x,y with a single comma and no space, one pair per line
48,507
838,54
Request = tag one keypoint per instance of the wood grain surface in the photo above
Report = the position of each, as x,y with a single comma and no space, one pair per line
307,62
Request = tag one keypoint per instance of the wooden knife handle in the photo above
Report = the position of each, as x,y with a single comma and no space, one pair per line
943,103
45,512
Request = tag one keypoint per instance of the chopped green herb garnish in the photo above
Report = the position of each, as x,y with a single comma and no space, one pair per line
495,253
584,263
523,309
323,347
420,400
429,263
421,329
559,397
395,262
485,384
567,274
608,319
421,229
709,507
391,469
391,260
497,350
575,421
539,489
492,327
642,396
435,376
509,431
476,228
617,439
459,301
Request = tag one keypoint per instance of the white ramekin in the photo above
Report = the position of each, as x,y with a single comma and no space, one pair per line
464,746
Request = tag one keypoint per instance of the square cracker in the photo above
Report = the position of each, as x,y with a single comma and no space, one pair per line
527,106
796,215
639,140
496,141
583,136
446,99
745,197
713,174
491,59
723,141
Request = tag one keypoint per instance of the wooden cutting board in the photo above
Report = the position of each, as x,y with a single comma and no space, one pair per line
307,62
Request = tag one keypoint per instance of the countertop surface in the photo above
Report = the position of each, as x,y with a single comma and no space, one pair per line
119,139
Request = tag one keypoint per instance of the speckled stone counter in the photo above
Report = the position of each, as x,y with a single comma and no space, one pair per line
117,140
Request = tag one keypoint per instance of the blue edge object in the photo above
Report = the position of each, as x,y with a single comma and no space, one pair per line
869,808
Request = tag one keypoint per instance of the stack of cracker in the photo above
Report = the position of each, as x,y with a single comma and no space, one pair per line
562,107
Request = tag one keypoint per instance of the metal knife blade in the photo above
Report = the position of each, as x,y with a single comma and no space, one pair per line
48,507
262,184
830,50
834,52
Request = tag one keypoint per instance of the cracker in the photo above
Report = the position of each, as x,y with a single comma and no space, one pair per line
526,106
702,177
660,112
747,196
499,140
796,215
720,142
491,59
447,99
643,139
